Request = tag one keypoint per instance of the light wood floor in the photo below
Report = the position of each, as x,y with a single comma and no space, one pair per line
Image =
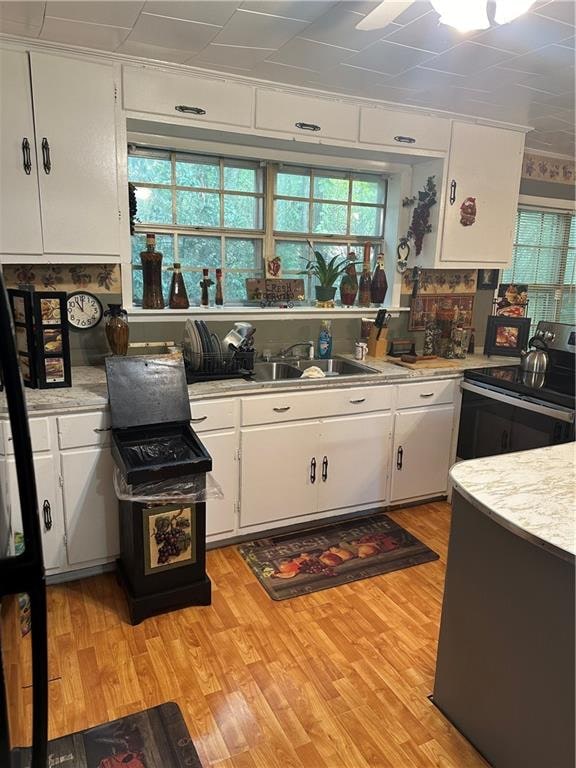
336,679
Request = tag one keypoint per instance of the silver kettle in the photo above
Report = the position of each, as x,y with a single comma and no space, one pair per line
535,360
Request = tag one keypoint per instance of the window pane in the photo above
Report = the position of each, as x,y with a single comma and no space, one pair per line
137,287
364,191
192,283
164,244
570,271
568,308
152,170
293,184
235,286
241,253
199,252
329,218
291,216
241,212
198,209
154,205
365,221
329,250
331,188
535,265
292,255
206,175
240,179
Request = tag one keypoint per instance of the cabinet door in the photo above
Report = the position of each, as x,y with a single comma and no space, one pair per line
421,457
288,113
90,505
20,231
220,513
75,114
353,458
485,163
49,508
276,476
403,129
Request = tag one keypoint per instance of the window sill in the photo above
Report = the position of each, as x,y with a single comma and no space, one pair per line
255,313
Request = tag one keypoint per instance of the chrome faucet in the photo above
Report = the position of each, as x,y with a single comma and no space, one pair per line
309,344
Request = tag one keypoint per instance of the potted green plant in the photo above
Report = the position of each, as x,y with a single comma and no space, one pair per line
326,273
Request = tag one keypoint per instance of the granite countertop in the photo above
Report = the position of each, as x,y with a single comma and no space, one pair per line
89,390
532,493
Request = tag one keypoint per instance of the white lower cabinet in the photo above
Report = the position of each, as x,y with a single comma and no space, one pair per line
49,508
90,505
421,454
221,513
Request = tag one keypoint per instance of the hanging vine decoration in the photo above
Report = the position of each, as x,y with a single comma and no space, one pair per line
420,224
133,205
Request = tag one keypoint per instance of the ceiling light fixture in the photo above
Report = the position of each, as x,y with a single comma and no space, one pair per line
472,15
508,10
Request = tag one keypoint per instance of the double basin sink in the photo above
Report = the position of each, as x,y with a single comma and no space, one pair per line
284,370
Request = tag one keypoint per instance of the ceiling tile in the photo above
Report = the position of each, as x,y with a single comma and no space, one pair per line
420,78
231,56
550,123
338,27
560,82
467,58
489,78
280,73
154,52
97,36
305,53
568,43
524,34
258,29
414,11
116,14
548,60
344,76
8,27
428,34
202,11
26,13
173,33
388,58
305,10
561,10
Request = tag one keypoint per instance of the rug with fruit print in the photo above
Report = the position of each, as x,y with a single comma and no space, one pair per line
294,564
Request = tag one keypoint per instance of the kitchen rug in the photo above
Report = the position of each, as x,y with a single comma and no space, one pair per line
154,738
294,564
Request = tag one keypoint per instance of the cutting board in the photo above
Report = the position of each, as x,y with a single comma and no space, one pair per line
439,362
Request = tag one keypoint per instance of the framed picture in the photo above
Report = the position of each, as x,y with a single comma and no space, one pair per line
512,300
487,279
506,336
447,306
169,537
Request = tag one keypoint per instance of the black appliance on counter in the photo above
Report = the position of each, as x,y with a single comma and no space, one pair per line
507,409
162,545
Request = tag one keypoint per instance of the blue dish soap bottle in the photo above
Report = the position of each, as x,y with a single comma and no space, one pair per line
325,340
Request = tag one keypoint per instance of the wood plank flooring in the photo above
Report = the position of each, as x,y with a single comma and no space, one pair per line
336,679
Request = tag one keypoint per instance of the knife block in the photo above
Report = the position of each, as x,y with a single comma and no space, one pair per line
378,347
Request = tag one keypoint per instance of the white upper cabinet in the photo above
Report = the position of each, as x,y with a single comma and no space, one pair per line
20,229
305,116
484,164
404,129
199,99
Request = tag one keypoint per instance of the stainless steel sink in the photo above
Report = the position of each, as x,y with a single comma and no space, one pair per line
275,372
285,371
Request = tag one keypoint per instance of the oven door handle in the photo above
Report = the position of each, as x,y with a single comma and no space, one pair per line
518,402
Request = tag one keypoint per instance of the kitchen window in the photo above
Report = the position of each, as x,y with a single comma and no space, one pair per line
223,212
544,259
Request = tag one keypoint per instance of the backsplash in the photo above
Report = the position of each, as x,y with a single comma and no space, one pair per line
96,278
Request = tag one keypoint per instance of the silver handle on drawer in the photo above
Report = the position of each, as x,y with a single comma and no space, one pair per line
359,400
103,429
426,394
189,110
199,419
283,409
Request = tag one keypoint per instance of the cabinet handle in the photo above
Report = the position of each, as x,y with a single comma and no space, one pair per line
325,468
46,161
199,419
452,192
190,110
358,400
307,126
102,429
282,409
405,139
426,394
399,457
47,513
313,470
26,162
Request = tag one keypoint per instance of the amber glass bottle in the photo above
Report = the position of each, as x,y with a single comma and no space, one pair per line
364,293
152,275
178,296
379,285
219,298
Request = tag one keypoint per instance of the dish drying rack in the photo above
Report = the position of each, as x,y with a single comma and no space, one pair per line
236,364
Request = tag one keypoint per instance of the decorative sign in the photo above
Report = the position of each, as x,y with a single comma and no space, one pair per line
424,308
273,267
468,212
442,281
543,168
274,291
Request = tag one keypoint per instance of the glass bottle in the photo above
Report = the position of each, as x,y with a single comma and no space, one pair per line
364,292
178,297
205,283
349,282
152,275
219,298
117,330
379,284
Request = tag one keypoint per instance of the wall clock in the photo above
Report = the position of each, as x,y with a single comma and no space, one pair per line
84,310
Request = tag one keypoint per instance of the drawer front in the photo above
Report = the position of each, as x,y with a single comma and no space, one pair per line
268,409
84,430
209,415
396,129
39,435
147,90
282,112
425,393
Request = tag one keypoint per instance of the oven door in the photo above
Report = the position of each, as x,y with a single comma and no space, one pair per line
493,422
